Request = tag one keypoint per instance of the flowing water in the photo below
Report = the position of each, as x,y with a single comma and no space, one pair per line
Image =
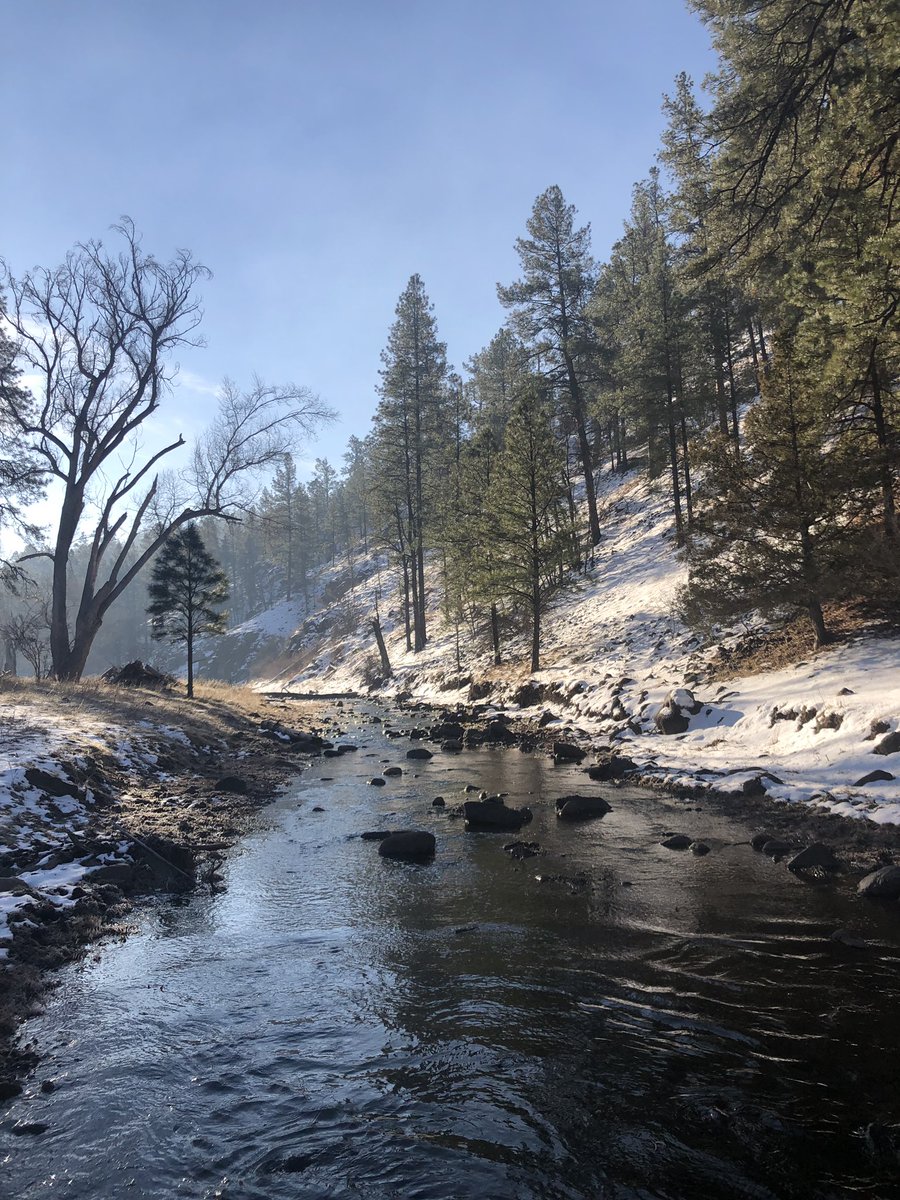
333,1024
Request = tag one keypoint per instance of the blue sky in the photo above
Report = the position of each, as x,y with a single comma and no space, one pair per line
314,155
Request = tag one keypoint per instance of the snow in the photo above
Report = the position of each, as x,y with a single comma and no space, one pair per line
614,648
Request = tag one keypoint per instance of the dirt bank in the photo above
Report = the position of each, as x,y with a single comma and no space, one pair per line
108,794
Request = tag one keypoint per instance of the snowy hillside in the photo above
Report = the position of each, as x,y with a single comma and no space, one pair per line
613,649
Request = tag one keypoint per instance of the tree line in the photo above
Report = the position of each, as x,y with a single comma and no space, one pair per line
738,345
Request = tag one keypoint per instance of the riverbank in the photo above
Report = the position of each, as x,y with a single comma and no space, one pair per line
110,793
751,795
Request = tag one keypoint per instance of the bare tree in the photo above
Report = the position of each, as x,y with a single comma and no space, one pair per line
99,332
28,633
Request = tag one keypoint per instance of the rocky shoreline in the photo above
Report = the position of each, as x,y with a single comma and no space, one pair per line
156,824
859,846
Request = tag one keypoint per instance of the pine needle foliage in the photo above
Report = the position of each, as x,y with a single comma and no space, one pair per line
187,589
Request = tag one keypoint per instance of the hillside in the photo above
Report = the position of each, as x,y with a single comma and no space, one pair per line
613,650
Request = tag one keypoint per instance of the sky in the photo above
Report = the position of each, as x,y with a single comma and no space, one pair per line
316,153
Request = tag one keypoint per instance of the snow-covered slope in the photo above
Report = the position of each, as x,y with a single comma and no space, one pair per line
613,650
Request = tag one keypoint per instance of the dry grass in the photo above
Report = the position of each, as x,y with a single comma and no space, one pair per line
791,643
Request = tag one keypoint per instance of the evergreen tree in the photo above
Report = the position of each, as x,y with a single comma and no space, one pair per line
550,313
21,478
408,424
526,514
778,526
186,591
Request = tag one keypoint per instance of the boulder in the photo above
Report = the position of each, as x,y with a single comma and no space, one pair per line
614,767
567,752
497,731
409,844
493,815
699,848
452,745
671,720
874,777
419,752
581,808
528,694
377,782
759,840
438,802
676,841
883,883
448,729
889,745
390,772
816,855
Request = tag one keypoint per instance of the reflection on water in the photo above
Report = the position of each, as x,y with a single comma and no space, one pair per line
332,1026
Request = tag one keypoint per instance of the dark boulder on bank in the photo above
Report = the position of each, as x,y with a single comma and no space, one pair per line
874,777
581,808
617,766
567,752
493,815
409,844
816,855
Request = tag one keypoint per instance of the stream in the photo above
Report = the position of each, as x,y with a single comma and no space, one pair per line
332,1024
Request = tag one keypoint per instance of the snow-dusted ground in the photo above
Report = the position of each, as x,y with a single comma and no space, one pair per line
40,828
613,648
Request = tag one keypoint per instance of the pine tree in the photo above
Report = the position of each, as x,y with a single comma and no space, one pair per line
780,526
409,423
550,313
526,509
186,591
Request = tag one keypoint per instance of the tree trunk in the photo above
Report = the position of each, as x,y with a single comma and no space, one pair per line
495,634
885,473
190,655
382,649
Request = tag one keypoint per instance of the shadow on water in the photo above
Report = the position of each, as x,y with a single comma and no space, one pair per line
607,1019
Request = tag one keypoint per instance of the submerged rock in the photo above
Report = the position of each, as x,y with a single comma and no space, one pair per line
581,808
390,772
419,752
699,848
375,835
493,815
408,844
676,841
521,850
377,781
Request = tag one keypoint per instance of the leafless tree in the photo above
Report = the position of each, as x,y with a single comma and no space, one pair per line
99,332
